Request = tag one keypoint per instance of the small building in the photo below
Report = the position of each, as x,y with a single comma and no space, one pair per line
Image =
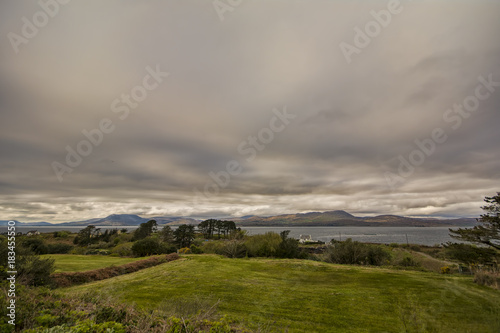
305,239
33,233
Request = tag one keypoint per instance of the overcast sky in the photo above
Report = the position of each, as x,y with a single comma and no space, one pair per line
350,108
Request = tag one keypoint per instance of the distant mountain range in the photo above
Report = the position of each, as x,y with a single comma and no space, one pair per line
118,220
3,223
132,220
330,218
342,218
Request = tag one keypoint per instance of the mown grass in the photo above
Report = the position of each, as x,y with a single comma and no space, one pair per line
305,296
78,263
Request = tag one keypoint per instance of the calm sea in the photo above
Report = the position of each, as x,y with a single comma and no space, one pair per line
415,235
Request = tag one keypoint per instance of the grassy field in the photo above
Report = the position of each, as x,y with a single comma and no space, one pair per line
277,295
76,263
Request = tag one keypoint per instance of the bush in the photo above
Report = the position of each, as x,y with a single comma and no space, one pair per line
356,253
122,250
232,249
78,250
491,279
98,252
445,270
263,245
107,313
469,254
39,310
31,269
36,245
289,247
185,250
59,248
146,247
195,249
408,261
61,234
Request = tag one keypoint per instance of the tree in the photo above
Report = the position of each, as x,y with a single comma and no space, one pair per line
470,254
85,235
36,245
167,234
219,225
207,227
145,229
488,232
289,247
184,235
147,246
228,227
31,268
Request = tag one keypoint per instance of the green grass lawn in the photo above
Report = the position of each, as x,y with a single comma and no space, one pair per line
276,295
76,263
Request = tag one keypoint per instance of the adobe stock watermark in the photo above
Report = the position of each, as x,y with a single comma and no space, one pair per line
225,6
30,28
372,29
121,106
11,272
248,148
454,116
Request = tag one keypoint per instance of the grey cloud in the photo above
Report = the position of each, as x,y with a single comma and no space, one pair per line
353,121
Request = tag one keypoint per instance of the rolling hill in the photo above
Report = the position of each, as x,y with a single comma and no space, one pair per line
342,218
312,219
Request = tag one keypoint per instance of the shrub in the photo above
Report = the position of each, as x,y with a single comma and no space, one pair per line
349,252
415,247
78,250
232,249
123,250
491,279
469,254
61,234
108,313
36,245
195,249
124,237
31,269
185,250
212,246
59,248
98,252
289,247
263,245
445,270
146,247
408,261
107,327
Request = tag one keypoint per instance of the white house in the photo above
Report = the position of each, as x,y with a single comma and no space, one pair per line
305,239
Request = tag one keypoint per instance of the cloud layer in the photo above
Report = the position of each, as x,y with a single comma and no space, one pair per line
354,122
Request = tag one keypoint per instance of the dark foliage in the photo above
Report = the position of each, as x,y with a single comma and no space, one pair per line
184,235
470,254
356,253
145,230
488,232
